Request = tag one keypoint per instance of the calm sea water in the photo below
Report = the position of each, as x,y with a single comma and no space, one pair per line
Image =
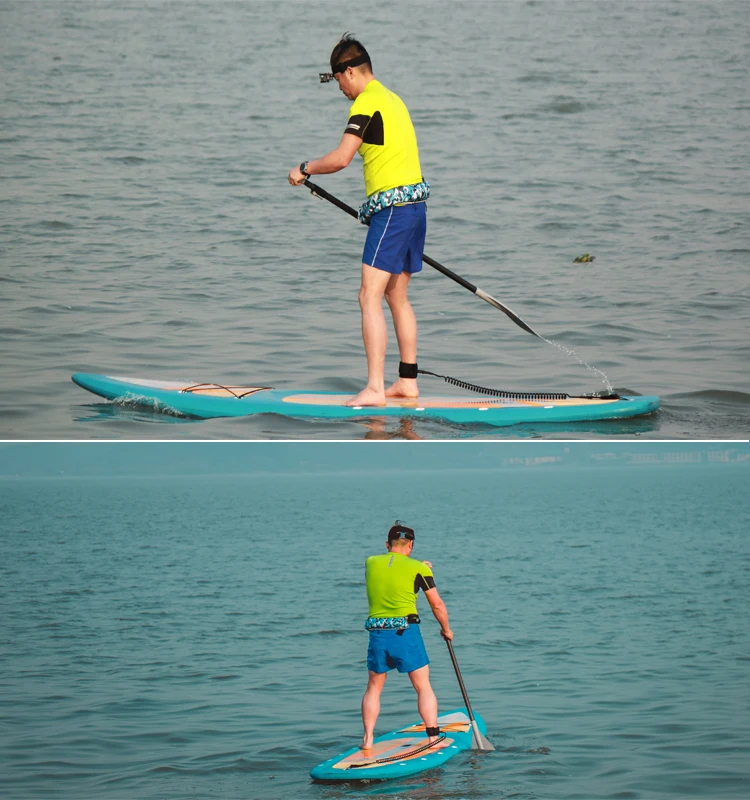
147,227
202,637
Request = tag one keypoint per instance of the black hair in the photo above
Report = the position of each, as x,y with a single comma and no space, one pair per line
348,48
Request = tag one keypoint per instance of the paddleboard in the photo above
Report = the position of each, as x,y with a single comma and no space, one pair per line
402,752
208,400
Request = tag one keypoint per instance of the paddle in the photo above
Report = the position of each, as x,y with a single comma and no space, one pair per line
478,741
318,192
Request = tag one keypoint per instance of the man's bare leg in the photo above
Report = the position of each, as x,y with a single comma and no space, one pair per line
405,324
427,703
371,706
374,334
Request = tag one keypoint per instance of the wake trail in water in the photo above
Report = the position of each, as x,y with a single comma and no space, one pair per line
572,353
512,315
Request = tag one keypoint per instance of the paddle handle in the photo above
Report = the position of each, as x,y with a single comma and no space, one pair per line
488,298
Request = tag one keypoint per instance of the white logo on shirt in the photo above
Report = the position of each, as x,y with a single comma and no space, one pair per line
352,125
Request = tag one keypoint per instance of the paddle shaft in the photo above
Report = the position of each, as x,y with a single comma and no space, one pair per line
317,190
480,742
460,680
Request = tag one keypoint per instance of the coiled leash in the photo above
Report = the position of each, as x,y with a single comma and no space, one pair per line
506,395
409,754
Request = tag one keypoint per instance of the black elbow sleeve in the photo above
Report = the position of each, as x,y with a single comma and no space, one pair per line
423,583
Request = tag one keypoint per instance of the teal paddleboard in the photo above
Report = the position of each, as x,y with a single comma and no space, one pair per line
402,752
208,400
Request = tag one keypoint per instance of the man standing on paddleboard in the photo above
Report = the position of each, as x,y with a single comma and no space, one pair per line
393,580
380,128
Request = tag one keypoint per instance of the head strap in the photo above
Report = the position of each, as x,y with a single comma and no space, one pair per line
352,62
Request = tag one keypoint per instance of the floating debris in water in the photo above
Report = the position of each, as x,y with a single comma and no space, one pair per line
584,259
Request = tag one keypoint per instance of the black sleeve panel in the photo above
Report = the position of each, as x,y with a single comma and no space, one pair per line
375,133
358,125
420,582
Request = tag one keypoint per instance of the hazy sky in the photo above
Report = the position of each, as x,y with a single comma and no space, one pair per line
157,458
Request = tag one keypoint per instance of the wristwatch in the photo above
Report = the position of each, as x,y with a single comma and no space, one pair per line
303,169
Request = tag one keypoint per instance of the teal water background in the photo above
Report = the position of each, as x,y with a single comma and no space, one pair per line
148,230
201,636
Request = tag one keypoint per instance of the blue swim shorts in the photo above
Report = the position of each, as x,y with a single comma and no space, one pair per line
395,240
387,650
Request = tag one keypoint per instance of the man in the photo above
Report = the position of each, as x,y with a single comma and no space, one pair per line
380,129
393,580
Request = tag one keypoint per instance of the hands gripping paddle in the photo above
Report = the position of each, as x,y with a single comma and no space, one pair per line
318,192
478,741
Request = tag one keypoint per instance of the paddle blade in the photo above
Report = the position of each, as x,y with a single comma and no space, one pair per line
488,298
478,740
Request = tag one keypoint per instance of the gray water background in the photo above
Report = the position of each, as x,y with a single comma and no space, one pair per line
147,228
201,636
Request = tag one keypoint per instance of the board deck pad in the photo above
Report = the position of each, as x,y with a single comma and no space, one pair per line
405,748
425,401
209,400
402,752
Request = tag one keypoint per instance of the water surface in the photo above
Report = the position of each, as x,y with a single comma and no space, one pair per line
148,229
201,636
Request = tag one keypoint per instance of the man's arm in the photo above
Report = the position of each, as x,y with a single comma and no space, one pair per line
440,611
334,161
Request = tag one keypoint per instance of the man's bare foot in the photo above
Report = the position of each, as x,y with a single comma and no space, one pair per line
366,744
367,397
403,387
